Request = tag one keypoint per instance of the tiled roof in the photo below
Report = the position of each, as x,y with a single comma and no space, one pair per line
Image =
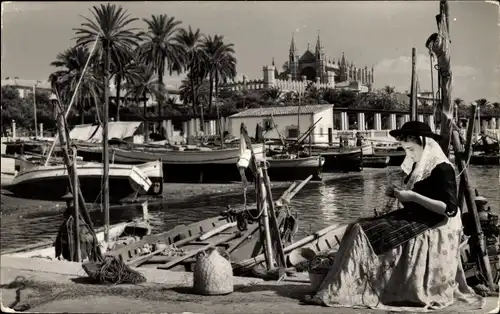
281,111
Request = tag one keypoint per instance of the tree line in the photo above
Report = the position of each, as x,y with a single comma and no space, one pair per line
136,60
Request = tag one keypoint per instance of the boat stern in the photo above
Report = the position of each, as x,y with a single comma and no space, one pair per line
139,180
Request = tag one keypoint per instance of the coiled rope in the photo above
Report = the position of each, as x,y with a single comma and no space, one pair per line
113,270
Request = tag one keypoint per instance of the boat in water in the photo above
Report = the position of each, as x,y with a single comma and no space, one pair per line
341,159
288,167
486,151
51,182
183,163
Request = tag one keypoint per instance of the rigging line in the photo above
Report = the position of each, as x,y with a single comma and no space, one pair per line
74,95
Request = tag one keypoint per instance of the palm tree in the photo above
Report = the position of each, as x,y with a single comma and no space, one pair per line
188,95
220,62
124,71
312,92
193,62
458,101
71,64
161,48
482,103
273,95
116,38
145,83
389,90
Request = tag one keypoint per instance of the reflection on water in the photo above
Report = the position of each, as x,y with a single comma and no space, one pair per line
317,205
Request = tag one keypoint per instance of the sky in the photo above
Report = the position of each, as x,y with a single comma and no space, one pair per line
372,33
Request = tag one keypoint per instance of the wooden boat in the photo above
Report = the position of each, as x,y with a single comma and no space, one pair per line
188,163
341,159
178,246
51,182
327,239
137,228
374,161
484,159
286,167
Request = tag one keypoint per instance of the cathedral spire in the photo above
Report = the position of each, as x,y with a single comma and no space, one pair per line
272,62
343,59
293,49
319,48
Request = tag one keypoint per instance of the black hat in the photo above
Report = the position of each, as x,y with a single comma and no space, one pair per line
415,128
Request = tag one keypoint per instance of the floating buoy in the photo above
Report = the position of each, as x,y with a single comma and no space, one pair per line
213,274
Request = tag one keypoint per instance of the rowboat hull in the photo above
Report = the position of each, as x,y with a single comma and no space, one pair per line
47,250
342,160
295,169
484,159
181,166
51,182
375,161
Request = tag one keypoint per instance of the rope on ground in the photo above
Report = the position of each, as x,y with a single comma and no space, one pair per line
112,270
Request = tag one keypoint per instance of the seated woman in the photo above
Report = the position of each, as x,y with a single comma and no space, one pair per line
409,257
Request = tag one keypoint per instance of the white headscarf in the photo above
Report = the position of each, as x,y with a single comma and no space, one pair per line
432,156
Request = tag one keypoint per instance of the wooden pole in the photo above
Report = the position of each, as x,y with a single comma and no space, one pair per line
310,142
478,240
105,189
438,43
261,194
261,200
273,220
467,152
34,110
298,116
76,207
61,127
413,95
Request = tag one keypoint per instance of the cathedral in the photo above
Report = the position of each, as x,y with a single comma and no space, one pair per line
317,67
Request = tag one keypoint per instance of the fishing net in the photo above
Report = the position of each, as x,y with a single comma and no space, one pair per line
213,274
112,270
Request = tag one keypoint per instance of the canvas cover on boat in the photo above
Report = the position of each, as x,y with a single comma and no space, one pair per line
123,130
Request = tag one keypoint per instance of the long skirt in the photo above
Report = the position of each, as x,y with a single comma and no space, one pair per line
422,273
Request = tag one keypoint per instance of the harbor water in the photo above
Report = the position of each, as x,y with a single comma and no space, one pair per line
317,205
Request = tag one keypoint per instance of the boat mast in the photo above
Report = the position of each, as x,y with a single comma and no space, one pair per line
72,98
105,189
34,110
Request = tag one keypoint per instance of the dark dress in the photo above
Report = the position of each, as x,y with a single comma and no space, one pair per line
395,228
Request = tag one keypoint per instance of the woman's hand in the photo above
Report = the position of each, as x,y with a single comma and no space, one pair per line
404,196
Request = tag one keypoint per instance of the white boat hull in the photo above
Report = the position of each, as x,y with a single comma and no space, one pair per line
52,182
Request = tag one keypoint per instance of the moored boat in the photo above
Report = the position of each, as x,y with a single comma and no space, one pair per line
51,182
341,159
374,161
287,167
484,159
188,163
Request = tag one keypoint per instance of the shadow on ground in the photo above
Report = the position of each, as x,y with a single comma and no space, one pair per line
296,292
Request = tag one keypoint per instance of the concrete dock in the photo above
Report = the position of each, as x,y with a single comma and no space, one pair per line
42,285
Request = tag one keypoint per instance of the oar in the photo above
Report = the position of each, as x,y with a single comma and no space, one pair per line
194,252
